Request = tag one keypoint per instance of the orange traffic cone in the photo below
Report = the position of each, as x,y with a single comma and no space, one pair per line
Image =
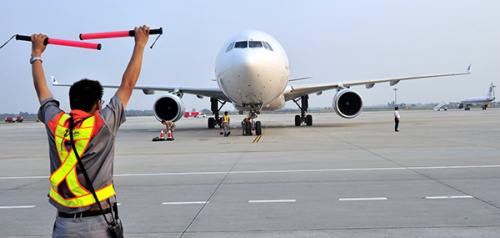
169,135
162,135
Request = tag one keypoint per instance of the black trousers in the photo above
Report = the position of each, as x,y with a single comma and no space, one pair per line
396,123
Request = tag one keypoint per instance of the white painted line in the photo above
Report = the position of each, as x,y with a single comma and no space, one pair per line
272,201
448,197
282,171
184,203
27,177
17,207
363,199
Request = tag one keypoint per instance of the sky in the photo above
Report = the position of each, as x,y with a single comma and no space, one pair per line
330,41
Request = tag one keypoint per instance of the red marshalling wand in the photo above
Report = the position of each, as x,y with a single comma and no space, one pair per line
114,34
64,42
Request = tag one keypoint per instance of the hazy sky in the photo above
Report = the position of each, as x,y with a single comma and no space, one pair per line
331,41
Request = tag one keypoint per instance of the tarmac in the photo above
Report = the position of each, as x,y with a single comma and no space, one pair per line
438,177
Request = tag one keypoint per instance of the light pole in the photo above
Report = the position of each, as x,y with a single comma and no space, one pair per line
494,98
395,96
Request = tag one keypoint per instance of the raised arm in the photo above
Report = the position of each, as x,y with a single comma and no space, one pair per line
133,70
37,48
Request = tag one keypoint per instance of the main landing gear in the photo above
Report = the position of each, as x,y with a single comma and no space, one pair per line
216,120
303,118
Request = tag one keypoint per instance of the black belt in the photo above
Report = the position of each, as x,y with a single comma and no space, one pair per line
84,214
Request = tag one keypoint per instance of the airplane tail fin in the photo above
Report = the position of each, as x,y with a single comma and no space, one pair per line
490,91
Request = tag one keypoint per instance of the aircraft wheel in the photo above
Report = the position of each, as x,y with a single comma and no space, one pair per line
211,123
309,120
297,120
248,129
258,128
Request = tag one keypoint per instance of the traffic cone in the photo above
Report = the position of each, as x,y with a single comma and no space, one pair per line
162,135
169,135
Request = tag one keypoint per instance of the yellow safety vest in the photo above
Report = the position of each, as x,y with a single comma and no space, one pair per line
225,118
67,170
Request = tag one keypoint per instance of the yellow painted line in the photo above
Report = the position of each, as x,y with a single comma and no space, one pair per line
257,139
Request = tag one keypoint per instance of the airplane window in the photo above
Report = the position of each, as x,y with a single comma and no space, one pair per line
255,44
240,44
230,47
268,46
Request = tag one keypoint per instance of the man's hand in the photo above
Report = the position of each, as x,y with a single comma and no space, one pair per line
141,35
37,44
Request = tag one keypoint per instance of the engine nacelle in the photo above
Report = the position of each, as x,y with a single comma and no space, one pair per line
276,104
169,108
347,103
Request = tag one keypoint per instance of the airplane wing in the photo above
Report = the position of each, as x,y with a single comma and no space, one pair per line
200,92
292,92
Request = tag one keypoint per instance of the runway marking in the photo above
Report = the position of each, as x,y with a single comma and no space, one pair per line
272,201
257,139
448,197
27,177
184,203
17,207
283,171
364,199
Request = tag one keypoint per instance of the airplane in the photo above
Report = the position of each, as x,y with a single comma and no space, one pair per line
483,101
252,72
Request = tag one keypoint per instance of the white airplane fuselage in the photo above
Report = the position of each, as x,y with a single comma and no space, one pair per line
252,70
483,101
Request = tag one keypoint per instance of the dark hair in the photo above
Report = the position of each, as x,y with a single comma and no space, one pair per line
84,94
396,108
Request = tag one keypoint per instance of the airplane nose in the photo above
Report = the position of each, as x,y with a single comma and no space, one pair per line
247,64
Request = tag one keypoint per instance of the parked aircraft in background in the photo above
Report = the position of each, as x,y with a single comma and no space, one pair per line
482,102
252,72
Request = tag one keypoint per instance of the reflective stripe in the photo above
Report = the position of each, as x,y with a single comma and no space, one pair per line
85,200
67,170
225,119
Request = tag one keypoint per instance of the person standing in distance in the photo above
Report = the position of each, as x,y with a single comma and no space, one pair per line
94,132
226,124
396,119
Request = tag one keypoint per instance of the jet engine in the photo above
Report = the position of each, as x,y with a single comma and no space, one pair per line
169,108
347,103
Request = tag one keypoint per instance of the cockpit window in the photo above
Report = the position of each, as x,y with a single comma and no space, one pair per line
250,44
255,44
241,44
230,47
268,46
